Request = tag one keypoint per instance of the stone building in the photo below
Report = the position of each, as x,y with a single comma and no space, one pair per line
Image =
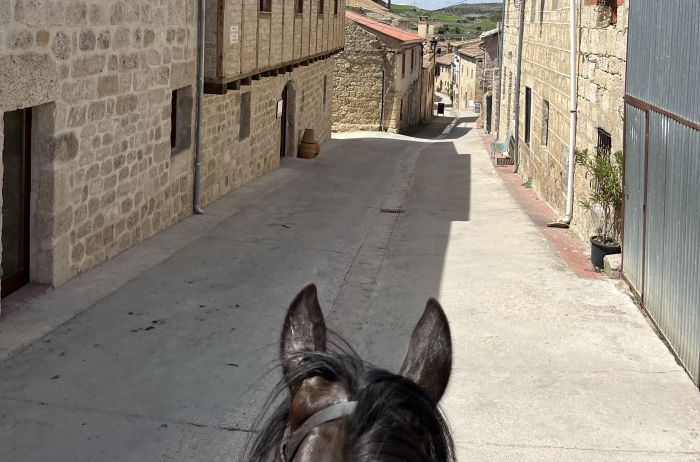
544,98
489,83
378,77
443,73
426,31
469,65
97,127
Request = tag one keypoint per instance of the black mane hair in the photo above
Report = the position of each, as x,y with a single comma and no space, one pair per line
394,419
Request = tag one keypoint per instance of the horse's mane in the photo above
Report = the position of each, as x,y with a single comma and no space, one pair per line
394,419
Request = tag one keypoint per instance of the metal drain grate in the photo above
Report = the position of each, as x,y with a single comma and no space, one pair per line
392,211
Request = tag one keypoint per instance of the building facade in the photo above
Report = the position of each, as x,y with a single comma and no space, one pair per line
443,73
469,63
97,103
544,95
378,78
490,89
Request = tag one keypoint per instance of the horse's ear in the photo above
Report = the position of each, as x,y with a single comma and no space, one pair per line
304,328
428,362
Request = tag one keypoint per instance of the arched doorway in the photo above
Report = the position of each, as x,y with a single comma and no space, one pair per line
288,131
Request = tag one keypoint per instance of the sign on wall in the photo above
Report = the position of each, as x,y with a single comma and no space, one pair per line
233,35
280,108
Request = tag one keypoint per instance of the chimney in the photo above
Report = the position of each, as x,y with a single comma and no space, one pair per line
424,27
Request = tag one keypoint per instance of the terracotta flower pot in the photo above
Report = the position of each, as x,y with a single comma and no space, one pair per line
309,148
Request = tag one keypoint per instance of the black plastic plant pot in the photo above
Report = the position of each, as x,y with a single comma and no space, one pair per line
599,250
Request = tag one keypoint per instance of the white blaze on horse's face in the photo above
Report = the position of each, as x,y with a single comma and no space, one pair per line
318,426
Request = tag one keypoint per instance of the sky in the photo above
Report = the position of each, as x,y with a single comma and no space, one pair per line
437,4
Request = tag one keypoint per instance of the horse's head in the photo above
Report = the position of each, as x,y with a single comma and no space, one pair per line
342,409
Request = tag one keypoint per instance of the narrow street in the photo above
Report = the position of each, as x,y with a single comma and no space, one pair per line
163,353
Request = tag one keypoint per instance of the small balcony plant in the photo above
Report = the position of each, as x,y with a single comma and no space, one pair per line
604,172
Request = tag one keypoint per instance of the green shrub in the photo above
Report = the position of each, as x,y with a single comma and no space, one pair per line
605,175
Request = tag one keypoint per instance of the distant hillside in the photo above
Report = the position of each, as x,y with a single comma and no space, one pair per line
456,22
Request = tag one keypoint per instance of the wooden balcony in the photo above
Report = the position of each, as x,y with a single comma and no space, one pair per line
244,42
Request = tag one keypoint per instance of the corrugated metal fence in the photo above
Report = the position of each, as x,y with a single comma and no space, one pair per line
661,241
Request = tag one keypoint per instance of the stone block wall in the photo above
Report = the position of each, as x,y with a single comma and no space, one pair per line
601,89
467,86
490,78
443,79
229,161
600,83
545,70
357,82
402,110
98,76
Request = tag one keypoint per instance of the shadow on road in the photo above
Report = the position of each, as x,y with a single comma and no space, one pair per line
184,349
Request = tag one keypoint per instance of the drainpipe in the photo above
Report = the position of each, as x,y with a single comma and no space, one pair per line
196,197
573,116
381,115
420,95
518,73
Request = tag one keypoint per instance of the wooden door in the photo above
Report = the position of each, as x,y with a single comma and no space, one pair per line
283,139
15,205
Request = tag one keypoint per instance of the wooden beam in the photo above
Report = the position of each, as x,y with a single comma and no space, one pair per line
235,85
257,74
215,88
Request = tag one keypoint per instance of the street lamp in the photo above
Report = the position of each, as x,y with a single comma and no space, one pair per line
433,45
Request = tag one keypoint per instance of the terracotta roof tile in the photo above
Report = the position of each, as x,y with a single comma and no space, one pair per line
391,31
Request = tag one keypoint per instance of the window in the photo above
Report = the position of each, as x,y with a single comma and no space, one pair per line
244,131
609,7
510,97
603,149
528,113
181,105
173,119
545,122
298,6
265,6
321,6
325,90
403,64
335,7
604,143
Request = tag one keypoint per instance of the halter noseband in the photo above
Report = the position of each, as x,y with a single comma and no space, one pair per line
292,441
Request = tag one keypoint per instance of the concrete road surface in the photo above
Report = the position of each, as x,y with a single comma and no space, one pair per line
163,353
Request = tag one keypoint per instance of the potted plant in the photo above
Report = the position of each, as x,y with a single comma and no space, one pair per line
605,200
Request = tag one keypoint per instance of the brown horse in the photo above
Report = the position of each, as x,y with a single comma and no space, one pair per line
335,407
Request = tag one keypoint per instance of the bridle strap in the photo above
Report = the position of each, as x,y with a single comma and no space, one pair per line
293,441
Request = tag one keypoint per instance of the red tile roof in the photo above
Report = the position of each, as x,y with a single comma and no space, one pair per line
391,31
